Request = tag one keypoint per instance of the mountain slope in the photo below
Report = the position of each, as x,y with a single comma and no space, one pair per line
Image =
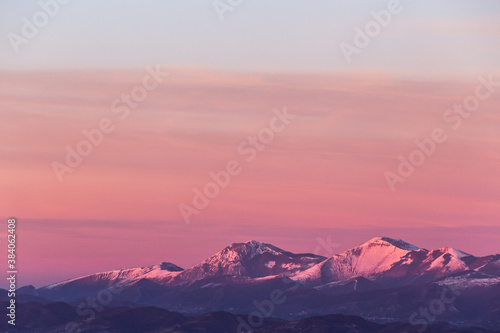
384,279
383,257
252,259
377,259
74,289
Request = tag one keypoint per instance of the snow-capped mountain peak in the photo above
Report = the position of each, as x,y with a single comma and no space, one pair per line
384,241
158,273
168,266
370,259
383,257
251,259
455,252
379,258
380,272
249,249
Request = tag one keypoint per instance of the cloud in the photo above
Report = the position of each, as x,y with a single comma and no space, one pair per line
350,129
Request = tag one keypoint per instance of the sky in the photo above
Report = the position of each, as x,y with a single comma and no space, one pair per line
284,35
210,93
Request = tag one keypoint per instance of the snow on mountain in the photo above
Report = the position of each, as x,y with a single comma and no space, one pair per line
159,273
491,268
488,264
386,257
380,257
469,280
456,253
377,255
442,262
395,242
251,259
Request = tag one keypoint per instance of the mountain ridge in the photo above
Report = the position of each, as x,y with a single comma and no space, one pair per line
382,279
379,256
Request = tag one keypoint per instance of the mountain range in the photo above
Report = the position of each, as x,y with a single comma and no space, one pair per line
383,280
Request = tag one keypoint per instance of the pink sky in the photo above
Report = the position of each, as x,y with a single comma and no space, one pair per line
325,171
